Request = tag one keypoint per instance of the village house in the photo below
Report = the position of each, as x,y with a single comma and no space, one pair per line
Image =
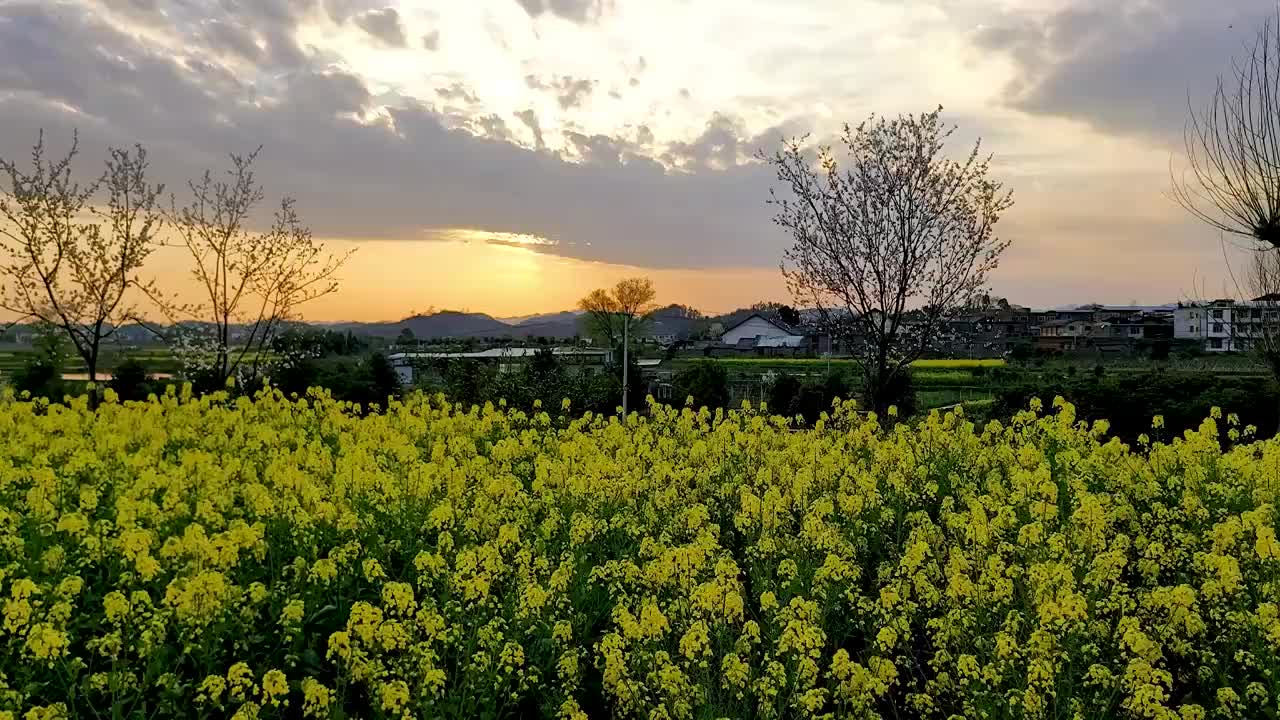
760,335
1228,325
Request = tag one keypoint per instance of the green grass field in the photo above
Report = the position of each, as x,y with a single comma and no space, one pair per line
929,399
957,364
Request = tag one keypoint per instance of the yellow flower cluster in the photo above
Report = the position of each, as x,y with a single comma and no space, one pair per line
269,557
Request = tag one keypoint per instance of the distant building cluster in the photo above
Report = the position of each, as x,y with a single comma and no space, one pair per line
1106,328
1229,325
981,332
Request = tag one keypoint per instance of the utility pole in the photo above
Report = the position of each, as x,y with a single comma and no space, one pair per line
626,320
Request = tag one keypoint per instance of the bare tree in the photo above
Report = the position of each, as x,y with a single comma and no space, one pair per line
1232,181
614,313
74,251
1257,328
251,281
891,241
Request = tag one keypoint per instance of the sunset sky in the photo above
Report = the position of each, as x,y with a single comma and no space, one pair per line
506,156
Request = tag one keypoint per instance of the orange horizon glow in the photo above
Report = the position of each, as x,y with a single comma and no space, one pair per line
390,280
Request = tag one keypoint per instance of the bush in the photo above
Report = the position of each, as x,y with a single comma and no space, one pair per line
39,377
130,380
1129,401
706,381
817,398
901,393
784,395
368,381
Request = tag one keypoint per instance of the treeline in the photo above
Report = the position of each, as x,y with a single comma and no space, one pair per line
541,383
298,359
708,383
1129,401
352,370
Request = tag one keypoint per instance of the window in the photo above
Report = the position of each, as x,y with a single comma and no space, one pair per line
1192,329
1135,330
1217,327
1215,343
1217,314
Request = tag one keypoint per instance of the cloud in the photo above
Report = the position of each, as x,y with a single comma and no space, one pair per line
431,41
1123,67
458,91
570,92
579,11
384,25
530,119
493,126
573,92
723,143
236,38
366,166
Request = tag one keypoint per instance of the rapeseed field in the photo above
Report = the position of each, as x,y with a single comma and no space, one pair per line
276,557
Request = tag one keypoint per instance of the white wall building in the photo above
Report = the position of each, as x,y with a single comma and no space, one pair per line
759,328
1226,325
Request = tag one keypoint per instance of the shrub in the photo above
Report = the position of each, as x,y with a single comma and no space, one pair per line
130,380
706,381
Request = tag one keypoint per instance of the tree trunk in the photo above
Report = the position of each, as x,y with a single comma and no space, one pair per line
880,403
625,366
1272,358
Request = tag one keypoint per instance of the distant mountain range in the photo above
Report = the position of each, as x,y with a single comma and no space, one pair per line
450,324
671,321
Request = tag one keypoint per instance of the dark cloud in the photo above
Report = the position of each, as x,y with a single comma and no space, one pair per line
459,92
725,144
431,41
261,31
530,119
596,149
717,146
579,11
384,25
137,9
1124,67
235,38
570,92
494,127
397,173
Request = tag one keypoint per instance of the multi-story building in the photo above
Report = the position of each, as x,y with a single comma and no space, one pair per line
1228,325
